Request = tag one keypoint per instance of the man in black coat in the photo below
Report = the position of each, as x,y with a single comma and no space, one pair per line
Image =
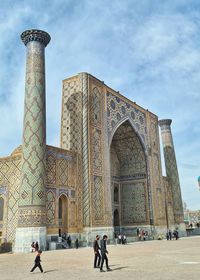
104,253
97,255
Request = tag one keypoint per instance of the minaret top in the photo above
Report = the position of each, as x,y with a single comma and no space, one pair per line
35,35
164,122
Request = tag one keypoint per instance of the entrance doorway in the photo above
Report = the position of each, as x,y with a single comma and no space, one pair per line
63,214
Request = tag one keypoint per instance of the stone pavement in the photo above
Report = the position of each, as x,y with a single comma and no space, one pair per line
151,260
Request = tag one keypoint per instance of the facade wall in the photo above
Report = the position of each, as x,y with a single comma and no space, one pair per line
10,169
95,164
103,111
63,178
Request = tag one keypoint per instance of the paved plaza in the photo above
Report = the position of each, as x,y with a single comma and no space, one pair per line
141,260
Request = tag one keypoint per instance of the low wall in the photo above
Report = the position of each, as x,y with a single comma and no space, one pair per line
193,231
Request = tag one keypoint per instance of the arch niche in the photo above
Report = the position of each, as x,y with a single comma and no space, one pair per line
128,178
63,213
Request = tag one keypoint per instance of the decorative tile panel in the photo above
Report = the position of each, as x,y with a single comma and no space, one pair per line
119,110
133,196
98,199
50,205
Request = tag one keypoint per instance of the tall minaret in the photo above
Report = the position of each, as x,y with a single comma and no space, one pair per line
32,202
171,169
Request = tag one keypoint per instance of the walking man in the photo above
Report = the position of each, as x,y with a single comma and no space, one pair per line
104,253
97,256
37,262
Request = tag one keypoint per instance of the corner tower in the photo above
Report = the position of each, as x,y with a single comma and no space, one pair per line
32,201
171,169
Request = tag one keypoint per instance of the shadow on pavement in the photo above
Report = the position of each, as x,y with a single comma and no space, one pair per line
119,268
47,271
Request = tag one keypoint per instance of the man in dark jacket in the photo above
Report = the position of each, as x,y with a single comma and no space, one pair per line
37,262
104,253
97,255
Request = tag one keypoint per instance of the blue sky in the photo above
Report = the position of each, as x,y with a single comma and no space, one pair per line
148,50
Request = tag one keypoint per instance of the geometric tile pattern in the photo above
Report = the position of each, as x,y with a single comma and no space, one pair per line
98,199
96,155
79,193
71,128
119,110
50,205
10,180
85,149
96,106
32,216
51,169
63,167
171,169
97,151
72,217
133,203
58,162
172,173
159,191
74,135
32,189
96,130
169,201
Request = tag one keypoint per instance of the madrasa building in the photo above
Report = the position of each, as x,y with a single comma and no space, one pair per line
105,177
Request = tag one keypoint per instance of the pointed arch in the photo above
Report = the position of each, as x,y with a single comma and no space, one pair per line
121,122
129,171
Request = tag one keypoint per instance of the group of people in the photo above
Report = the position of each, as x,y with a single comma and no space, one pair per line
100,248
100,253
120,239
172,235
191,225
68,240
142,234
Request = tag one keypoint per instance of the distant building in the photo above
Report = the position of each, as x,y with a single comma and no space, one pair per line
192,218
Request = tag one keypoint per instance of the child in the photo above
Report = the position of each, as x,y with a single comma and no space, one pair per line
37,262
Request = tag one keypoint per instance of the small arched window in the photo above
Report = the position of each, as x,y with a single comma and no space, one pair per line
1,208
116,194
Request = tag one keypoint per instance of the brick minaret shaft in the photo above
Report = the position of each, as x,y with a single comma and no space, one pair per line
32,209
171,168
